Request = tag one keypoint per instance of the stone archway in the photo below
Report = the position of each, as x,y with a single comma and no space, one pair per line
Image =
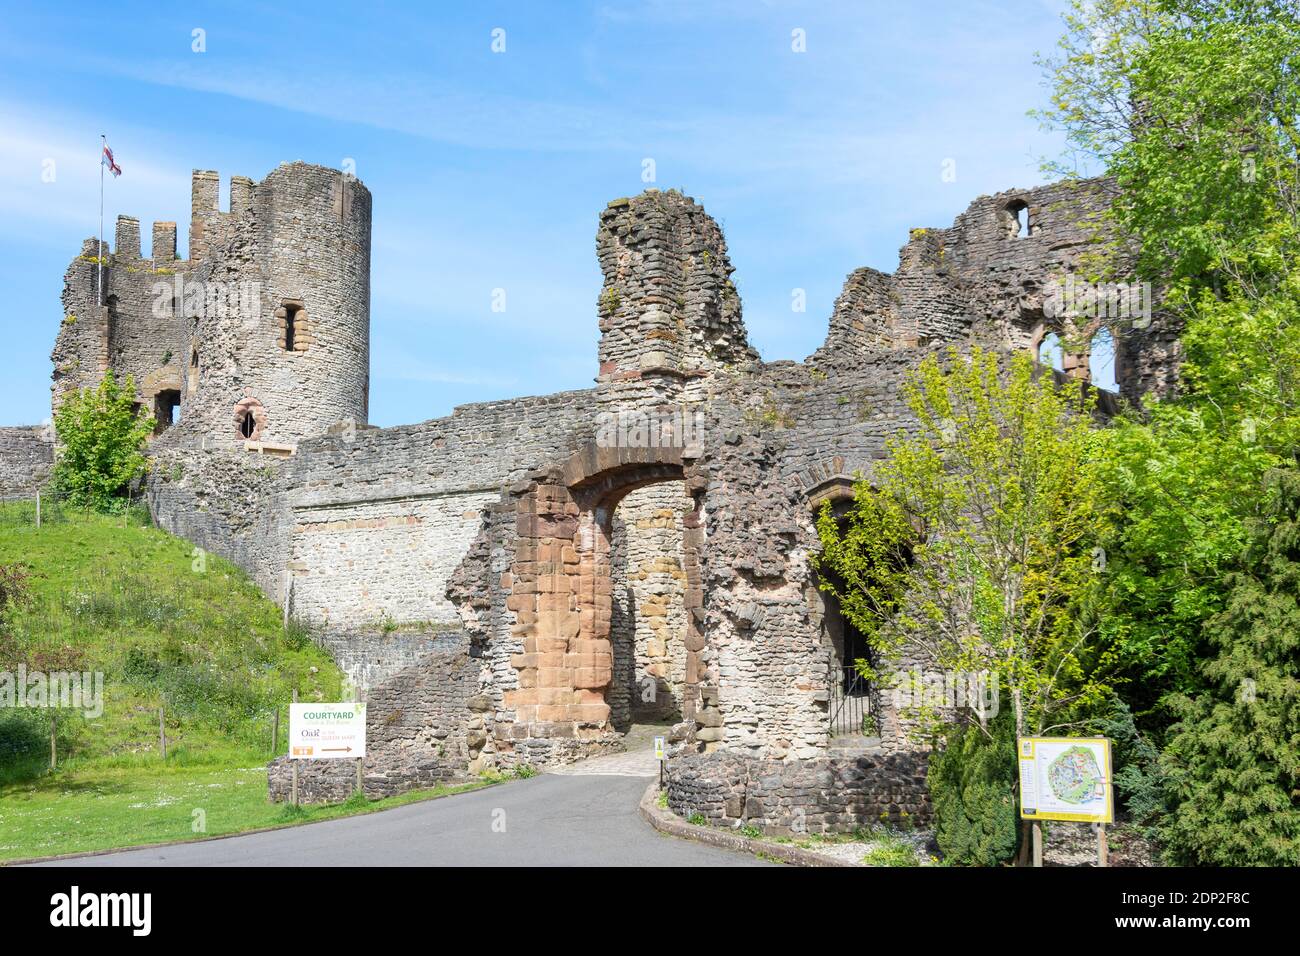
561,589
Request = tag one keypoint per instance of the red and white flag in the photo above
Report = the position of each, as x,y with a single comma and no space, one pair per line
107,160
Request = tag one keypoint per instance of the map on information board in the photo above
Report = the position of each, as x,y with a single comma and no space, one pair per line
1066,778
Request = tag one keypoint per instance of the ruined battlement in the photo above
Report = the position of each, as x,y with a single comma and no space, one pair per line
261,335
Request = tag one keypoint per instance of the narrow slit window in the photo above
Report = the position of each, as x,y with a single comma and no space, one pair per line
290,327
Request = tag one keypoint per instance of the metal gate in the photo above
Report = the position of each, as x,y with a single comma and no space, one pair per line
850,702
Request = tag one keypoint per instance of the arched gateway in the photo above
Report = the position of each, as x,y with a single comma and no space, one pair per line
561,588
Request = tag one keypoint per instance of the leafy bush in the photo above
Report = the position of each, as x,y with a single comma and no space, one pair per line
1141,784
972,784
101,435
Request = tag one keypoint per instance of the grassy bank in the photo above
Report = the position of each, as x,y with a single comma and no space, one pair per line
169,628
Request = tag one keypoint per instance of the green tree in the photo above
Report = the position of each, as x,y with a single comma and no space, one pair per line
972,783
1234,756
1192,106
100,437
971,546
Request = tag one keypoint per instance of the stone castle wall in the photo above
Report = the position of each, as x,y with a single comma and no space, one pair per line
783,798
26,461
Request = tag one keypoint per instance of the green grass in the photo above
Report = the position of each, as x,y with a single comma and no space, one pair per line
167,628
129,806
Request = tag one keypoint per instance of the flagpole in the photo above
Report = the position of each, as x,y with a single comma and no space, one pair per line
99,280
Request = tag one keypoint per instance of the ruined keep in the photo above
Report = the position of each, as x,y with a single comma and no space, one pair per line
261,336
518,582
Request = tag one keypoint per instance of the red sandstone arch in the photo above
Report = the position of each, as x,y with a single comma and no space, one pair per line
561,587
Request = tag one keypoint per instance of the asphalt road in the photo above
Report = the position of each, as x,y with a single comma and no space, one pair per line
548,820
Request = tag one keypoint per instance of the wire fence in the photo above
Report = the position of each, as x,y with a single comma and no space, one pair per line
51,507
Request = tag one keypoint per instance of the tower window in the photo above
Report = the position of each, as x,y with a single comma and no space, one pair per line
250,419
292,320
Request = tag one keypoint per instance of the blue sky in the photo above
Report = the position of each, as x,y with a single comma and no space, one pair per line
489,170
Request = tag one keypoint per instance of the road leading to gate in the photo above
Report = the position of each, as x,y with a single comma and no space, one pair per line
549,820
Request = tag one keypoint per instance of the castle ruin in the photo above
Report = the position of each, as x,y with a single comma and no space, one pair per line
519,582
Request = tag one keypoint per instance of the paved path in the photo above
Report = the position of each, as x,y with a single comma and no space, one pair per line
639,763
582,819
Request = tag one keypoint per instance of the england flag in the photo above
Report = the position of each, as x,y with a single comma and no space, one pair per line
107,160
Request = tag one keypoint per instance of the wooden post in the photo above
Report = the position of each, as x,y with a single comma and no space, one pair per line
293,764
361,788
38,511
275,730
54,737
1038,843
1103,849
162,735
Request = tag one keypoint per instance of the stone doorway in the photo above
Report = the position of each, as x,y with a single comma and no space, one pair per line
648,617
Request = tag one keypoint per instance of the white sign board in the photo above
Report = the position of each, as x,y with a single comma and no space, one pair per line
1066,778
327,731
659,748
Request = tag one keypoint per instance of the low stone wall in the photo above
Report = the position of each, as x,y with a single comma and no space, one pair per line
26,460
417,725
824,795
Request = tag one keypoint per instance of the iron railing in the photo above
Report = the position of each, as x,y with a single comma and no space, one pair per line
851,703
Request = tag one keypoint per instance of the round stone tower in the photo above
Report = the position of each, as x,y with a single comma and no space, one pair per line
275,310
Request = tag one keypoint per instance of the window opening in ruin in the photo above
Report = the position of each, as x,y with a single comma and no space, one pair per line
1051,354
1020,225
247,424
194,370
166,409
1101,360
290,326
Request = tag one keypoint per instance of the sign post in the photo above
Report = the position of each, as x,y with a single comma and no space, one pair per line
1066,778
327,732
659,755
293,764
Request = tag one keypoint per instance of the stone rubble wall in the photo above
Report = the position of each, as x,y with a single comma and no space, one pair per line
362,530
26,461
417,730
826,795
977,281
